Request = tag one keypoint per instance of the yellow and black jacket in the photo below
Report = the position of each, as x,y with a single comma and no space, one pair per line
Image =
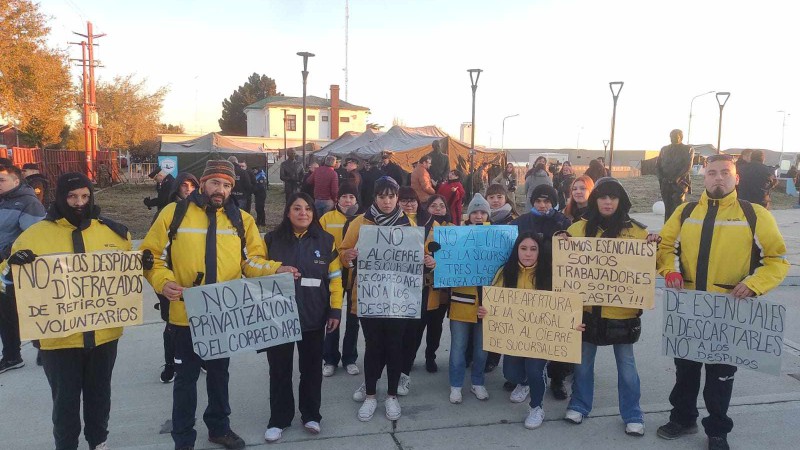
712,247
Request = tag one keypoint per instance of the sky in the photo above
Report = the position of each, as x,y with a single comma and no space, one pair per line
548,61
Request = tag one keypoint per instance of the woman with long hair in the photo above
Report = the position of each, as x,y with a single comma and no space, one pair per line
562,181
300,241
578,202
453,192
608,217
383,337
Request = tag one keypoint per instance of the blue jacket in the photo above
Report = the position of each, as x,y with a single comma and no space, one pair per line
19,209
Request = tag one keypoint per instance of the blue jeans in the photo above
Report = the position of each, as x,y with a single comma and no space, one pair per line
459,334
627,383
530,371
323,206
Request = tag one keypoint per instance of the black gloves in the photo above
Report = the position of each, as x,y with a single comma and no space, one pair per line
147,202
22,257
147,260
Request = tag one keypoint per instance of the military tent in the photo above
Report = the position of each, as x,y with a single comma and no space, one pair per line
193,154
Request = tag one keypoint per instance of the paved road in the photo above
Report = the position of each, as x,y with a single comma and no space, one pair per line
766,409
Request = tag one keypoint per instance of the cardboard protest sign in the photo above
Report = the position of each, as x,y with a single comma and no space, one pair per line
389,271
60,295
241,315
532,324
711,327
607,272
470,256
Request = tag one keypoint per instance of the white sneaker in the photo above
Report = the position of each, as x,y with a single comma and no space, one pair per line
360,394
535,418
352,369
404,385
328,370
480,392
392,408
455,395
273,434
520,394
102,446
367,409
312,427
573,416
634,429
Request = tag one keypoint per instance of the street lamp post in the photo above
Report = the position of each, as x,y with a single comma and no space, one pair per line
605,148
474,75
691,105
615,93
722,98
783,132
305,56
503,135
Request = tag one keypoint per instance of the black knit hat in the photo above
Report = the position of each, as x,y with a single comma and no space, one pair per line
60,208
545,191
348,188
71,181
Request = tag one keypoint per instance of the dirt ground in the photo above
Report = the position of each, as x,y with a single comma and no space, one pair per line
123,202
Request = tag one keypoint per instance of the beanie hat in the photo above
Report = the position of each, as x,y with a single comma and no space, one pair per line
348,188
60,208
386,183
219,169
30,166
233,160
71,181
612,187
478,203
545,191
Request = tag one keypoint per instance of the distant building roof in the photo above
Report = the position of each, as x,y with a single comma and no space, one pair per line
311,102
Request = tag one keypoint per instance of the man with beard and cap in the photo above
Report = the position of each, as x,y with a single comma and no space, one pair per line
718,244
241,188
544,219
164,181
673,167
39,183
203,239
81,364
19,209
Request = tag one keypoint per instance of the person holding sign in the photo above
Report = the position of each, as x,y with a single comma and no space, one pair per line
465,324
335,222
79,364
203,239
383,337
301,242
608,217
720,244
526,268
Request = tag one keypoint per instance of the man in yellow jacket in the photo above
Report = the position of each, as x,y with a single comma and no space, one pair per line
81,363
710,246
214,242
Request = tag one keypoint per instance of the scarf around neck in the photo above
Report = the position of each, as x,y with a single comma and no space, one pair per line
500,214
396,217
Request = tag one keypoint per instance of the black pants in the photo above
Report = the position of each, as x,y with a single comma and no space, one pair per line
558,371
260,194
432,322
184,391
70,373
411,339
349,353
673,195
9,325
716,393
383,340
281,391
169,346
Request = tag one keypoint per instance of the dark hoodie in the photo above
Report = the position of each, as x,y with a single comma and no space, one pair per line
613,225
60,209
19,209
176,186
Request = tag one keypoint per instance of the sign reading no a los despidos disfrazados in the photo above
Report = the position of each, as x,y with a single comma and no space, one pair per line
60,295
246,314
716,328
389,271
470,256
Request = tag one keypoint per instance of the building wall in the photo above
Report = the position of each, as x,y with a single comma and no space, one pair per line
256,122
316,127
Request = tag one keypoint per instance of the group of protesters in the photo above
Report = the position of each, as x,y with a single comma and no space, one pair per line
201,236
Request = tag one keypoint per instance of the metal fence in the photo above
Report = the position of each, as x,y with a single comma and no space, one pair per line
54,162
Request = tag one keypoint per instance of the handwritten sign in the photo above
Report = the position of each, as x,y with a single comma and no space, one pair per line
242,315
470,256
607,272
711,327
532,324
389,271
60,295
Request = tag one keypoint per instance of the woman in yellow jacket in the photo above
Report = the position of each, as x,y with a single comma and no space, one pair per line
607,217
383,337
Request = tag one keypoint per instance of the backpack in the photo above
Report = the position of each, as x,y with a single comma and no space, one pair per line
180,213
749,214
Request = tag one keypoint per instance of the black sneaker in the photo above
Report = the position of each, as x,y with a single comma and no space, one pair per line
558,390
230,441
431,366
674,430
168,374
509,386
10,364
717,443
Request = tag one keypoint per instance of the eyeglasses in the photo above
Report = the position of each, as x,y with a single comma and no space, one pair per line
720,157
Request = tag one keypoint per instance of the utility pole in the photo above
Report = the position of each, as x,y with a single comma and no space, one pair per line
90,122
